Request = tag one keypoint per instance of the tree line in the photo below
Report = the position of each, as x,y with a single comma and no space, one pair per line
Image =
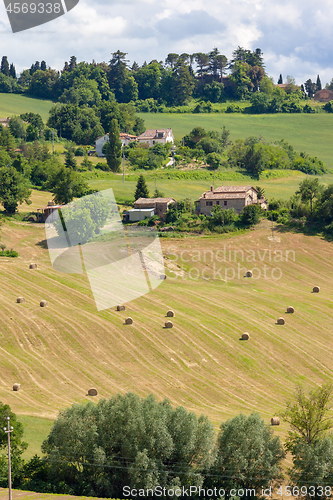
173,82
143,444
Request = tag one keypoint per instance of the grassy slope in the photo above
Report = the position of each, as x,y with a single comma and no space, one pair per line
310,133
57,353
15,104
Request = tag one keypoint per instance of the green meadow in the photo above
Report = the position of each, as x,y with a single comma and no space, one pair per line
16,104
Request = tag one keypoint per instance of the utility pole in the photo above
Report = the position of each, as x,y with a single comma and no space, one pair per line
52,132
8,430
123,165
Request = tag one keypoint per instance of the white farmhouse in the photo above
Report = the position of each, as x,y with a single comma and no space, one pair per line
156,136
100,141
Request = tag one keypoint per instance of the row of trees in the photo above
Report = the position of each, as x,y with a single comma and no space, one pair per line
142,444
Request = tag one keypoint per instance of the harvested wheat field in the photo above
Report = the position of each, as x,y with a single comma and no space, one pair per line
31,495
57,352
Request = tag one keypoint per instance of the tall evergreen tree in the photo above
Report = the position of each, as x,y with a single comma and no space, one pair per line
72,63
5,66
319,87
43,66
141,190
280,80
113,147
12,71
70,161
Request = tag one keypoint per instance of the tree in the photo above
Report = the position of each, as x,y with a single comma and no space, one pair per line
313,465
70,160
202,61
66,185
307,415
113,147
12,71
84,217
250,215
128,441
141,190
14,189
324,206
280,80
43,66
4,66
310,87
309,190
214,160
318,84
248,455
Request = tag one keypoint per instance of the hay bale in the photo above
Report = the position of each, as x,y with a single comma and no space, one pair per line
316,289
20,300
92,392
245,336
43,303
275,421
290,310
168,324
163,277
170,314
249,274
33,266
16,387
128,321
50,203
120,308
280,321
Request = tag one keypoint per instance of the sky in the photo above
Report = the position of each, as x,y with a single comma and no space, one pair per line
296,36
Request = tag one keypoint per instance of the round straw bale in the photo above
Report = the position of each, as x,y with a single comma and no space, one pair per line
33,266
43,303
249,274
92,392
275,421
163,277
16,387
50,203
290,310
20,300
170,314
168,324
245,336
120,308
280,321
316,289
128,321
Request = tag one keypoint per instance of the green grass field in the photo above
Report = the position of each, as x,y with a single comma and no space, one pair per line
16,104
310,133
31,495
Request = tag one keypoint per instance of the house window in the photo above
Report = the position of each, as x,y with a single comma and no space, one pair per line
225,203
209,203
217,203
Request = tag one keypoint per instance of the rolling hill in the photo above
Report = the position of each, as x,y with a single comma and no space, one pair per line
58,352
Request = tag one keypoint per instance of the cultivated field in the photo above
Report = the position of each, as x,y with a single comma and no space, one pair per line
310,133
57,353
16,104
31,495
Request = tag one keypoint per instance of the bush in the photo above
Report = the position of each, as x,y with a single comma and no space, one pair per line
80,151
250,215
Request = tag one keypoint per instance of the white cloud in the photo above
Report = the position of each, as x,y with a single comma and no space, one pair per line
295,36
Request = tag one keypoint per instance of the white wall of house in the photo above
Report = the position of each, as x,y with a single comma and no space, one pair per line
100,143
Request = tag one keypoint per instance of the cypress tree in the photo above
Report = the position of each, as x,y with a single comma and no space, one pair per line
12,71
113,147
319,87
141,190
43,66
5,66
280,80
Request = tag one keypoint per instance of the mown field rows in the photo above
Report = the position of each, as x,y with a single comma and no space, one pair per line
57,353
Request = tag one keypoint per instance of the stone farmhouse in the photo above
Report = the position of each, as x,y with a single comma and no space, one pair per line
156,136
236,197
147,207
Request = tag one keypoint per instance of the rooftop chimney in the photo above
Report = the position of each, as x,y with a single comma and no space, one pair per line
212,188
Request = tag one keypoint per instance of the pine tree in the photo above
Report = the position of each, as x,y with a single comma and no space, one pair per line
43,66
12,71
113,147
141,190
5,66
70,161
319,87
280,80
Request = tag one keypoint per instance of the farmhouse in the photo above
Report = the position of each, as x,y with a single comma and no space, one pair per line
147,207
156,136
323,95
236,197
100,141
